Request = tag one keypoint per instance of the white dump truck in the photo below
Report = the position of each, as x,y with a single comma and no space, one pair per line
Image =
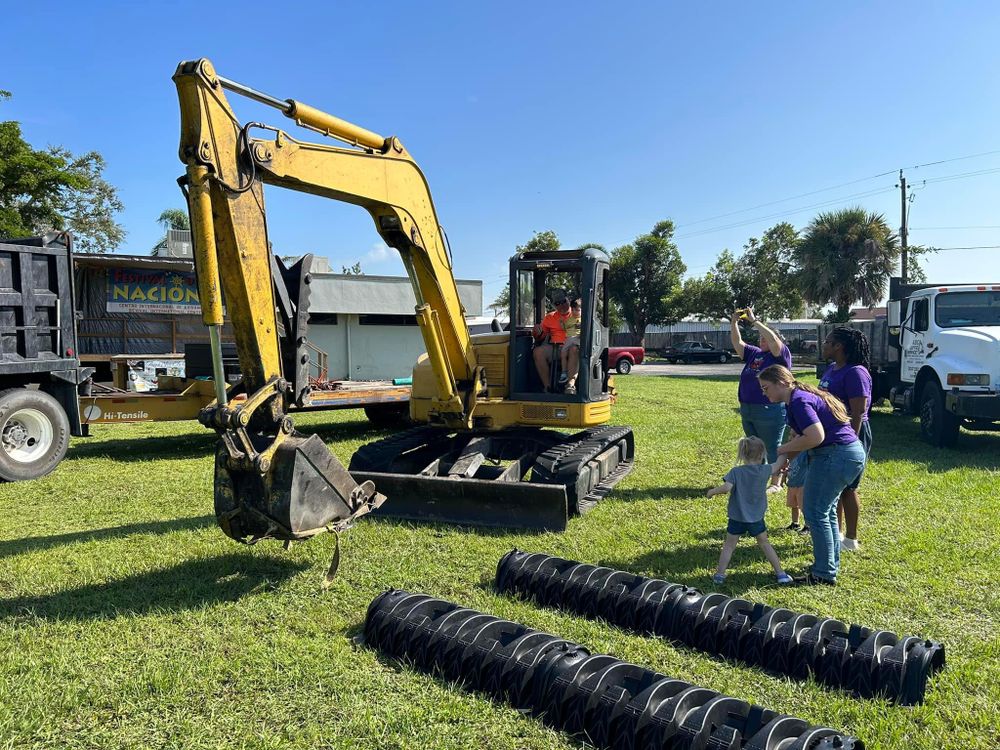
937,355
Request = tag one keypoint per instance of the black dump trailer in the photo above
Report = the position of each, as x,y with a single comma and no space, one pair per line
40,373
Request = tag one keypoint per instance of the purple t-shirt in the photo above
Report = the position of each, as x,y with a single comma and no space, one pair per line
805,408
847,382
758,359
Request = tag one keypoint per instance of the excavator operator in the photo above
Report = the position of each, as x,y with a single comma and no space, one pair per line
549,334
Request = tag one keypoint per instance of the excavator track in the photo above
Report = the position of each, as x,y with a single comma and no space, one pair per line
518,478
589,464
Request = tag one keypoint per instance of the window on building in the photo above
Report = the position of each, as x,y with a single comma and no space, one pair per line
328,319
387,320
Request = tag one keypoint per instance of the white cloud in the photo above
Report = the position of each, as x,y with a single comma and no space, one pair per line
379,253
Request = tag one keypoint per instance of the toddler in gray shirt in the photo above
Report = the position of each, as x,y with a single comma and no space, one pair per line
747,488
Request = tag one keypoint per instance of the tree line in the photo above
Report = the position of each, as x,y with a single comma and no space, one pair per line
839,259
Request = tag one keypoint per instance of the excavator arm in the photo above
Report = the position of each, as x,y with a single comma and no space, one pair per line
226,168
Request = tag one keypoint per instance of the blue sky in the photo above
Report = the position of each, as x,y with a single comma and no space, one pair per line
595,120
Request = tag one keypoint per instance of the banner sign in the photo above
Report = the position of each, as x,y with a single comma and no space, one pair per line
142,291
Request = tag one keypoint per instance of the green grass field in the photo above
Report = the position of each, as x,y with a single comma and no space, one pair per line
127,619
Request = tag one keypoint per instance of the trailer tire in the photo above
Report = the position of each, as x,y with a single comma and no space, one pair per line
34,434
623,366
938,426
388,415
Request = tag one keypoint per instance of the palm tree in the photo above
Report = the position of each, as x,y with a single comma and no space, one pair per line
846,256
171,218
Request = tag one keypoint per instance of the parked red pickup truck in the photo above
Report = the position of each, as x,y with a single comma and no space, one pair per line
623,357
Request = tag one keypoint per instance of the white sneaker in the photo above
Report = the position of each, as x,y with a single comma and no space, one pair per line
851,545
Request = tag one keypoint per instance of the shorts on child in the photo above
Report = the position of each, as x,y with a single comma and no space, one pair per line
797,470
571,341
750,528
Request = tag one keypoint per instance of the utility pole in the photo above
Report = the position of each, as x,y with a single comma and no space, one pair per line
902,226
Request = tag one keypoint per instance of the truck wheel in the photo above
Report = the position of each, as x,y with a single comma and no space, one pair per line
34,434
388,415
938,426
623,366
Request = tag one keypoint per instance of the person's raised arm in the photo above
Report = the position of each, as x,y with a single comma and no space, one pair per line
769,340
734,334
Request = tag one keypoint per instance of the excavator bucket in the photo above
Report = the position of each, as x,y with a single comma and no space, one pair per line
303,492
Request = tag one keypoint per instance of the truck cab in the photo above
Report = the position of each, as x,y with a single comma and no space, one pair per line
948,343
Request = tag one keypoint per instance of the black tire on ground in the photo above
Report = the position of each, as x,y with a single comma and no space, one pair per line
388,415
938,426
723,358
623,366
34,434
688,360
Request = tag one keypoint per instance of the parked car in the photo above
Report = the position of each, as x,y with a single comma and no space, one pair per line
623,357
696,351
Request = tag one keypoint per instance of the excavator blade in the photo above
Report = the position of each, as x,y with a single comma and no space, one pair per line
304,492
472,502
523,478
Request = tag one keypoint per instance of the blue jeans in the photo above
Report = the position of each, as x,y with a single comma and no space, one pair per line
831,469
766,421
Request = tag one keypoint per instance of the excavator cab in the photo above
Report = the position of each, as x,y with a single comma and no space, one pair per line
536,279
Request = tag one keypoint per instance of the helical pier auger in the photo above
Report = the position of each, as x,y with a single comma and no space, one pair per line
606,701
862,660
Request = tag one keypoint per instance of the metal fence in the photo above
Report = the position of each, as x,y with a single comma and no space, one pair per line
802,338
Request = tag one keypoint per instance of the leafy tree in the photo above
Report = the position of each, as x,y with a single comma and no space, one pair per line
846,256
174,218
53,189
646,280
354,270
763,276
502,303
915,273
170,218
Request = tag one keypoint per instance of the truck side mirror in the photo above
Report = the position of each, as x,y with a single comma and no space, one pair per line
893,312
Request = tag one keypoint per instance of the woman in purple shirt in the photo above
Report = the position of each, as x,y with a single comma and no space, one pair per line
760,417
849,379
822,428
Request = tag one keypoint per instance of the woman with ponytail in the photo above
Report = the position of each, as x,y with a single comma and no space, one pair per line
822,428
850,380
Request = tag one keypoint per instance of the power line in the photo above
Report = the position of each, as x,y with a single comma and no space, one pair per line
970,247
979,226
957,158
846,184
789,212
785,200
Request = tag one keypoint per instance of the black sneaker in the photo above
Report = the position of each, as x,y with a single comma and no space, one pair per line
812,580
792,526
804,530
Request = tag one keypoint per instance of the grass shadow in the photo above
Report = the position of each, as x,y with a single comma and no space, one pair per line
189,585
443,528
202,443
196,444
897,438
11,547
661,493
678,565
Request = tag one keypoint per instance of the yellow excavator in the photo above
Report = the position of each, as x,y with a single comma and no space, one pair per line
479,454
